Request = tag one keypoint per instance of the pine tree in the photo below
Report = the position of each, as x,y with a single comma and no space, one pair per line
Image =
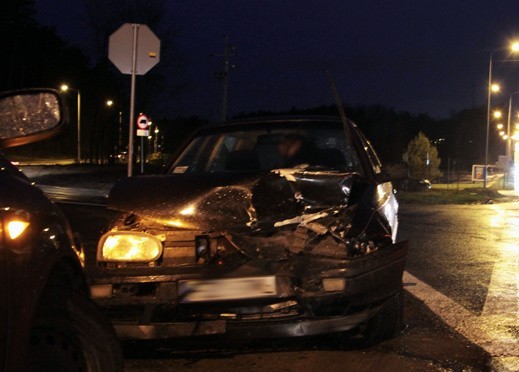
422,158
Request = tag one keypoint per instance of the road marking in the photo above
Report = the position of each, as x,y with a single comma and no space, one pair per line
485,331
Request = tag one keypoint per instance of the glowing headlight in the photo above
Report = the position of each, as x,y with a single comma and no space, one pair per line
15,228
128,246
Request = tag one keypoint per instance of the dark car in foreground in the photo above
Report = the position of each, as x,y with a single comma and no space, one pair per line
47,320
261,228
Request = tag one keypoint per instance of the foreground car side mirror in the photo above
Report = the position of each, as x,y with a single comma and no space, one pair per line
29,115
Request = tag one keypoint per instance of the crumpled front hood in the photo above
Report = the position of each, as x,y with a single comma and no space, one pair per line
203,201
230,201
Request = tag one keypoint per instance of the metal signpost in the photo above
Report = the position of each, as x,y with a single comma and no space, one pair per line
133,49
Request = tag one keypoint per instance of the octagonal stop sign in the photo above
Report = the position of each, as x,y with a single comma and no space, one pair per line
120,47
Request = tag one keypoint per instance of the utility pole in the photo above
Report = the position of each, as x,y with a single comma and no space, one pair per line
120,134
224,75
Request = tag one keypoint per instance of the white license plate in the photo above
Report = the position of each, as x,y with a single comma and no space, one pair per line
227,289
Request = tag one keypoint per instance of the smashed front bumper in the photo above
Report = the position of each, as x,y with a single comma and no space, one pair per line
147,303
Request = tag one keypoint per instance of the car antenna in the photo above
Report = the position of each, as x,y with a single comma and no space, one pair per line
346,124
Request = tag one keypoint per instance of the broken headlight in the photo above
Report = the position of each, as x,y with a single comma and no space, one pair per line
202,248
128,246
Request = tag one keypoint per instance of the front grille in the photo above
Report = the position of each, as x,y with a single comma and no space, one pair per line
280,310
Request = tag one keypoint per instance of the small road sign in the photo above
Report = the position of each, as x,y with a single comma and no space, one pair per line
143,122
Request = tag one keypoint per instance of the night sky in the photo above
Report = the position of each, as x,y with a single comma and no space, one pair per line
417,55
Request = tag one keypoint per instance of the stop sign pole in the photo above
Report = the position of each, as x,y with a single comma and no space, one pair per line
133,49
135,28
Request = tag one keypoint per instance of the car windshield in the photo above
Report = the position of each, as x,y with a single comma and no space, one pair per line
256,147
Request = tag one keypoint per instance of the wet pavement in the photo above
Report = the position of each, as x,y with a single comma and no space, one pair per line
465,262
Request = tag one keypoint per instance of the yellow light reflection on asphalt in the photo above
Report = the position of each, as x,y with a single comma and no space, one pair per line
516,167
498,219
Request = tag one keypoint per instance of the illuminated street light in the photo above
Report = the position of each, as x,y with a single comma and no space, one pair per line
495,88
500,126
505,137
508,128
514,48
65,88
498,114
109,103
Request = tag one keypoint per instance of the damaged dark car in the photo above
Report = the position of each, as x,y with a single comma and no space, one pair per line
261,228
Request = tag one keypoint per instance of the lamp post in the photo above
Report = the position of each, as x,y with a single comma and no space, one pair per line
156,143
119,145
65,88
509,135
493,88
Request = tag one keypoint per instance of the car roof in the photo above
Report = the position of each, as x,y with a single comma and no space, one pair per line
268,120
284,119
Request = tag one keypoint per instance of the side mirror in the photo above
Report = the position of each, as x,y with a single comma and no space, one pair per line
29,115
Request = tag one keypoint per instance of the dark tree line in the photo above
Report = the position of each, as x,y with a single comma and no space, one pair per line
459,138
32,55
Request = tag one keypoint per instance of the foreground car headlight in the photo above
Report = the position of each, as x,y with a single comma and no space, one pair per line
15,228
128,246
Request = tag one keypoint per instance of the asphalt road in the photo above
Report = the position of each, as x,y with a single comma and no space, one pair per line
461,304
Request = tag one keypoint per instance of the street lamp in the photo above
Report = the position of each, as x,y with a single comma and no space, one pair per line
65,88
509,137
495,88
156,142
118,147
514,48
